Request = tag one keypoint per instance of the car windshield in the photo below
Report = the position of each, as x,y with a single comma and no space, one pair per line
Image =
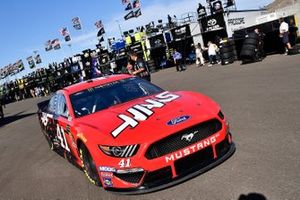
104,96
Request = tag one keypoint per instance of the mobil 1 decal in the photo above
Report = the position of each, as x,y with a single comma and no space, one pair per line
143,111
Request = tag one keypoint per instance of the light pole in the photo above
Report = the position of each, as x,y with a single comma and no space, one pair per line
120,29
71,49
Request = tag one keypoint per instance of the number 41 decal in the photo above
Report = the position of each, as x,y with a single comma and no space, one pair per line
62,137
124,163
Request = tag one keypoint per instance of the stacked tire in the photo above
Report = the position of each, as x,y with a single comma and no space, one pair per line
227,52
151,66
295,50
249,49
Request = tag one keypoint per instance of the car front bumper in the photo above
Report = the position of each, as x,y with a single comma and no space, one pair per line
186,168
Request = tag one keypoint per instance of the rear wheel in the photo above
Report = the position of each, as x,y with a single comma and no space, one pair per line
89,166
53,143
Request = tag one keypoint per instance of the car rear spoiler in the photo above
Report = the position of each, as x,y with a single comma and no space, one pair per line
42,106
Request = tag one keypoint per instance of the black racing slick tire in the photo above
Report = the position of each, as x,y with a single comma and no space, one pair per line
51,145
227,55
251,41
226,49
89,167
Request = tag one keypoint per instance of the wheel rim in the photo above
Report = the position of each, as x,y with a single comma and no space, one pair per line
89,167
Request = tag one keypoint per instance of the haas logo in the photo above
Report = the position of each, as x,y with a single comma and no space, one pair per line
143,111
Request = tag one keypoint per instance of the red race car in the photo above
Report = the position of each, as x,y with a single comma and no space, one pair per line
131,136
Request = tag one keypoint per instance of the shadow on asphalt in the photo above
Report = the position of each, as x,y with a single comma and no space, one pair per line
13,118
252,196
67,156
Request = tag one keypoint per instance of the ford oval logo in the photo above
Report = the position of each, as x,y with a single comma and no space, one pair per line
178,120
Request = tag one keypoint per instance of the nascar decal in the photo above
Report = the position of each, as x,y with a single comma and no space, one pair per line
142,112
191,149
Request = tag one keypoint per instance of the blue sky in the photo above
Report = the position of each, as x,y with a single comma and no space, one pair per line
27,25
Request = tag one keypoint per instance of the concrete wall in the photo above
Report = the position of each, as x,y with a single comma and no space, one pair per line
293,9
240,20
196,33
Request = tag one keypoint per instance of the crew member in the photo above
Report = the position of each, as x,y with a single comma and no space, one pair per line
284,34
260,48
293,32
212,53
95,72
199,56
177,57
140,68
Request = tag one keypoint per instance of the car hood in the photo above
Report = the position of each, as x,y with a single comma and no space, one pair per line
124,124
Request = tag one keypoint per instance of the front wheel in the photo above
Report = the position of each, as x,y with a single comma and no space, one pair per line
89,166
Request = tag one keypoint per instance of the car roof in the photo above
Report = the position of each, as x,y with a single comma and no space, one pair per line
93,83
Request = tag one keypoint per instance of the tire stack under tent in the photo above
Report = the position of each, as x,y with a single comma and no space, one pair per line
250,48
227,52
151,66
295,50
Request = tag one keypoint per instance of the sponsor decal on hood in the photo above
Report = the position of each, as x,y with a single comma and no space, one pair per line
178,120
142,112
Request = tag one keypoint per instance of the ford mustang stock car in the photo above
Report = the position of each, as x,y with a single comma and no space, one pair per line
131,136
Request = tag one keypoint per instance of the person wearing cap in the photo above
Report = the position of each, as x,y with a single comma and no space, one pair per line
140,68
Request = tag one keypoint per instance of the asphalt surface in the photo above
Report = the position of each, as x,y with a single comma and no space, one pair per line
261,101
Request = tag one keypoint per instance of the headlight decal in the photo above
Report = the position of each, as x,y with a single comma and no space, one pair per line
125,150
120,151
130,150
